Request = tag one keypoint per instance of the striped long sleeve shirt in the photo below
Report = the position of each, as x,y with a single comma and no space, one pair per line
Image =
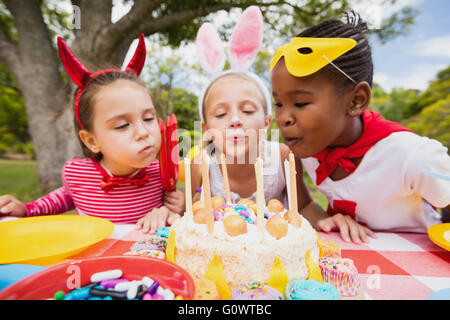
81,190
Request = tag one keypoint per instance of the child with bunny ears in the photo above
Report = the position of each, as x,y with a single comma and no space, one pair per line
235,109
118,129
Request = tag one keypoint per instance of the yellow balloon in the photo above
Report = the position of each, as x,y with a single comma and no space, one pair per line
195,150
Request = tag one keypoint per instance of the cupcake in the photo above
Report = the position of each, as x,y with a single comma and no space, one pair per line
256,291
311,290
205,289
342,274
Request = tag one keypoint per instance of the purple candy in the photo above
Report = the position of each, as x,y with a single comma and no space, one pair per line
157,297
227,206
244,213
217,215
111,283
153,287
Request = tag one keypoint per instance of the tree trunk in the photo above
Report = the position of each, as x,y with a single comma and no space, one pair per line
98,43
36,68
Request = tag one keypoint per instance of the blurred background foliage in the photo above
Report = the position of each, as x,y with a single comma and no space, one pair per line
425,112
174,82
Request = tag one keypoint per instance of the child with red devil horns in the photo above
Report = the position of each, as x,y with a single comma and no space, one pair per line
119,179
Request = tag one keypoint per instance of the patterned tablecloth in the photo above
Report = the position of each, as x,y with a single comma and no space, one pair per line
393,266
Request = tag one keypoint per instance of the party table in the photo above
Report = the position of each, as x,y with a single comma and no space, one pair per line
400,266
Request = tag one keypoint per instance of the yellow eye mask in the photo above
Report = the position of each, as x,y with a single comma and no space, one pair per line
304,56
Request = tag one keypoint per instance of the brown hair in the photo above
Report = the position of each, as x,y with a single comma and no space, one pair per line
87,101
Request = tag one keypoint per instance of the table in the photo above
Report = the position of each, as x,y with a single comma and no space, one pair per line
401,266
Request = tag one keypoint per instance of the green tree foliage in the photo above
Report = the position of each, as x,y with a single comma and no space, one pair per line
185,108
396,105
169,77
427,113
173,22
13,120
433,121
437,90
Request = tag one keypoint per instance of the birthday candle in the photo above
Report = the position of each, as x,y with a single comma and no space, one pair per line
226,183
207,193
288,183
293,182
260,201
187,184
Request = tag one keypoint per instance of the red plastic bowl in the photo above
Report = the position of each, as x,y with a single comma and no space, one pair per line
44,284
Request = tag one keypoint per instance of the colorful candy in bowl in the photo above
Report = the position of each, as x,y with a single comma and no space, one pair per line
68,277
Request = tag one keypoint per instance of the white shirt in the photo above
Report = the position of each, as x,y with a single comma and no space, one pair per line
390,184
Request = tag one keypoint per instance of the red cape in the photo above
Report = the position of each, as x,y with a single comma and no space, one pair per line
375,128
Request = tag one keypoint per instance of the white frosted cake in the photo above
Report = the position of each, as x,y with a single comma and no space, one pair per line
247,255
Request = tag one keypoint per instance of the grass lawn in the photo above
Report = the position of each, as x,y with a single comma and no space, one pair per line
19,178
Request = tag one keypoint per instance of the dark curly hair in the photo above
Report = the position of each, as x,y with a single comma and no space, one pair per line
357,62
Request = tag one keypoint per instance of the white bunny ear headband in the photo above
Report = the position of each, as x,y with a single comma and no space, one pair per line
244,45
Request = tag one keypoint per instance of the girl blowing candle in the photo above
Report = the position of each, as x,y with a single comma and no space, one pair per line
235,109
372,171
119,179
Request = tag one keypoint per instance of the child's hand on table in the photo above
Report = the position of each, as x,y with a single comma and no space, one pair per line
155,219
174,201
347,226
10,206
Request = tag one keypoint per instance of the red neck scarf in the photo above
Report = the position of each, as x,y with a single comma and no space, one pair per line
375,128
108,182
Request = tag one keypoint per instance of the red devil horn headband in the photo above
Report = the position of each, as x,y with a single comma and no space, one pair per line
81,75
137,62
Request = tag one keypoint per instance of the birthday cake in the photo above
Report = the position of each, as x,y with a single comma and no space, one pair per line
247,254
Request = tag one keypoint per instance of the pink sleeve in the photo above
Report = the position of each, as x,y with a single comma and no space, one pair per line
56,202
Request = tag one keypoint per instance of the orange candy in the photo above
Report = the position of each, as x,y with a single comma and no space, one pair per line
217,202
197,205
235,225
293,218
200,215
246,202
275,206
277,227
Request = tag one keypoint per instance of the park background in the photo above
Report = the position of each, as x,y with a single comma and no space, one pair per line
410,42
